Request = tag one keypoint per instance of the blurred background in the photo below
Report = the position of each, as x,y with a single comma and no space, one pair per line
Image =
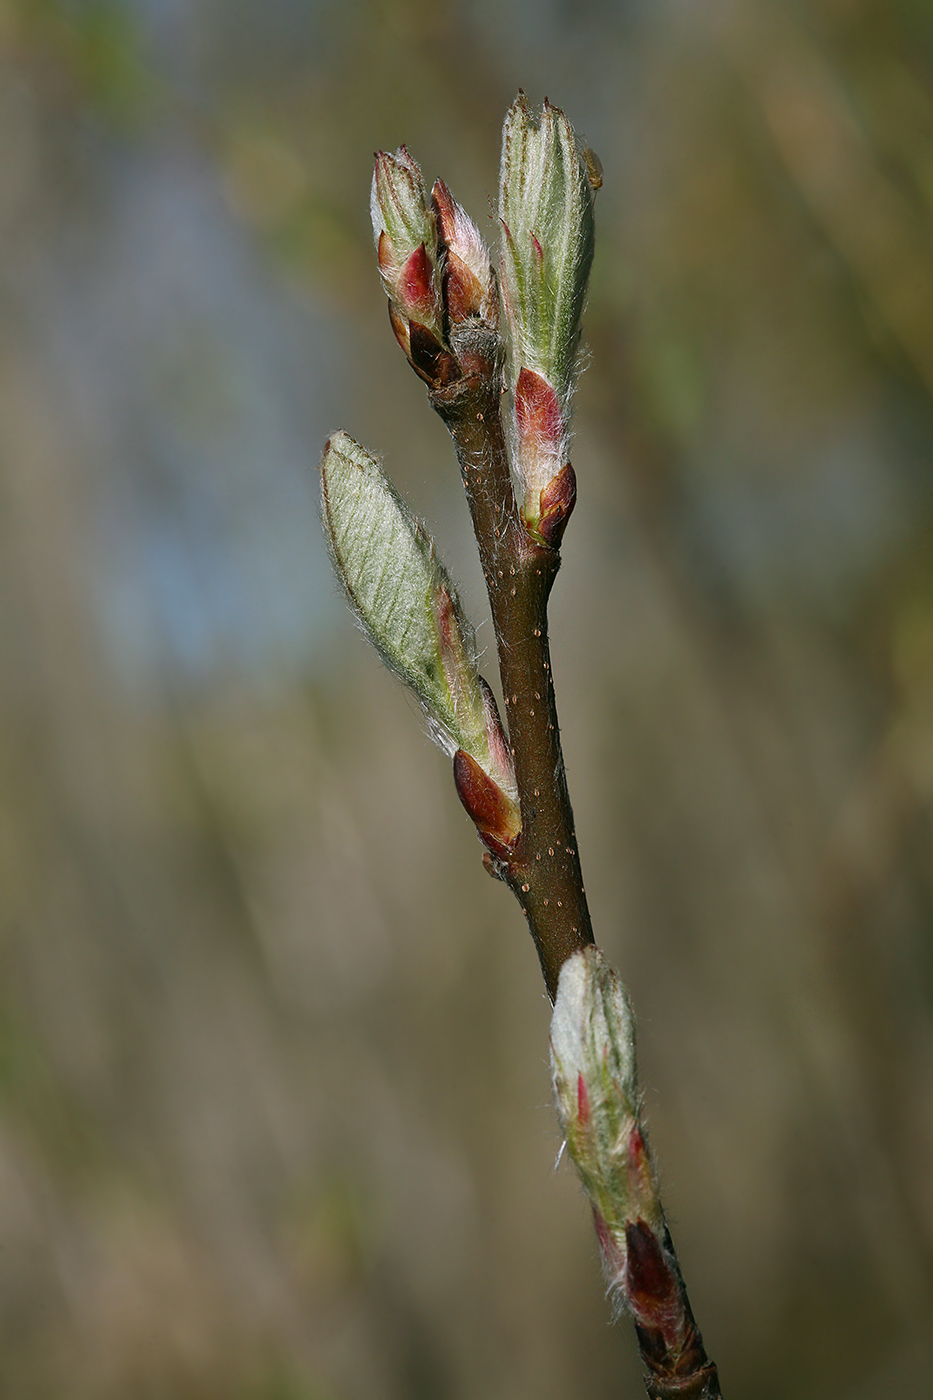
274,1100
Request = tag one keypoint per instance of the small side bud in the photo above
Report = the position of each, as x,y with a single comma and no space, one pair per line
557,501
489,792
469,284
594,168
429,359
495,815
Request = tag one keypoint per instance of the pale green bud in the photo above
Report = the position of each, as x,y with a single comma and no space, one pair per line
546,216
546,213
596,1090
407,604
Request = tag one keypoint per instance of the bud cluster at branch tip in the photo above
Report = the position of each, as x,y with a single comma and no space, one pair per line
547,188
434,266
409,608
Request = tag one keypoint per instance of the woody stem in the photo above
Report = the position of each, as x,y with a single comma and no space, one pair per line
543,870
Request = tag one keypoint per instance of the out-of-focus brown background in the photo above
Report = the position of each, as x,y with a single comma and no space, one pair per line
274,1105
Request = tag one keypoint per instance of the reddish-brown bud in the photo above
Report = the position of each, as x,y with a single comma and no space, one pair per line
668,1336
469,289
416,294
493,812
537,410
429,359
557,502
652,1287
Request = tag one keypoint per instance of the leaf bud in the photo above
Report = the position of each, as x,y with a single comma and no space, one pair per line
546,217
408,606
494,813
596,1090
405,230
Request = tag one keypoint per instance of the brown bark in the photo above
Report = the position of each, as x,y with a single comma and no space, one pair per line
542,867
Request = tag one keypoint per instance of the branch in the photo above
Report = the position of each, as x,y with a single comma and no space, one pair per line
444,305
543,869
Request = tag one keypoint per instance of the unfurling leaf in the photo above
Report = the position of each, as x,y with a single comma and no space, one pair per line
407,604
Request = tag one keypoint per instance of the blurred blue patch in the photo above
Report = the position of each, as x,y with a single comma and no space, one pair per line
202,393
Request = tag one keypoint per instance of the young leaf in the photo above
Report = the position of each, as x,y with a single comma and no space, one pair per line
407,604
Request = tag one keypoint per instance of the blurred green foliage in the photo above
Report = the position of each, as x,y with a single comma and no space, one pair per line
88,53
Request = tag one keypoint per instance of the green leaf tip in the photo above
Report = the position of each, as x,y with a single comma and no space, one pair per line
546,196
546,215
